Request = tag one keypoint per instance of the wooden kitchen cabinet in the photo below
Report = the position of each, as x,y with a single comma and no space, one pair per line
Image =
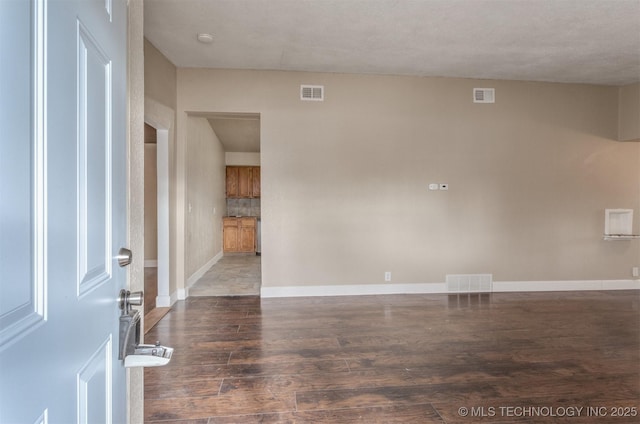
239,234
247,235
255,181
229,235
243,182
232,181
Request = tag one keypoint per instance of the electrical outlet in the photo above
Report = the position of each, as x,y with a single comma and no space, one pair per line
387,276
444,186
635,272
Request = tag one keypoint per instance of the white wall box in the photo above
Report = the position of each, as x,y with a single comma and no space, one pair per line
618,224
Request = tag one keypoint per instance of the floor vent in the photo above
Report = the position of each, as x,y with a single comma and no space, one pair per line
484,95
470,283
312,92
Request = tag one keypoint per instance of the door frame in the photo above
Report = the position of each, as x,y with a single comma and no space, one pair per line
162,128
135,184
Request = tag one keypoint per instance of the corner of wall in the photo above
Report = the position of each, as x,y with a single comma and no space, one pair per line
629,112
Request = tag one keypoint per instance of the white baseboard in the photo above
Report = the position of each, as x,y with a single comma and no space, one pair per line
433,288
577,285
151,263
164,301
180,294
352,290
168,301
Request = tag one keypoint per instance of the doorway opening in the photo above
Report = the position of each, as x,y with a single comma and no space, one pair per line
237,271
157,298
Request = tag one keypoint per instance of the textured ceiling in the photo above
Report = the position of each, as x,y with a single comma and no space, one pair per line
237,135
577,41
238,132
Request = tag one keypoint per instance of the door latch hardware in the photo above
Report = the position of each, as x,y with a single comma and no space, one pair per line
124,257
128,299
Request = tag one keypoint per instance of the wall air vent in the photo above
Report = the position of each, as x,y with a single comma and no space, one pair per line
312,92
484,95
469,283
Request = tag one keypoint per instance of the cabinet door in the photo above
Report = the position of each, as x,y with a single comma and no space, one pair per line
232,181
230,235
247,239
244,182
256,181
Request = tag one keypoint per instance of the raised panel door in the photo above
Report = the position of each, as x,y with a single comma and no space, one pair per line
232,181
247,239
230,235
244,182
255,181
63,210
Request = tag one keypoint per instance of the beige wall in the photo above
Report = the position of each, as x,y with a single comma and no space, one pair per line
629,113
159,76
242,159
150,203
344,181
205,180
160,105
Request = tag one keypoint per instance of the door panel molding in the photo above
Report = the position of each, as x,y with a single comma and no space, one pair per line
108,6
95,386
43,418
94,163
24,308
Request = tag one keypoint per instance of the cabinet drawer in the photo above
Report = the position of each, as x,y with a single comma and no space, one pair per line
247,222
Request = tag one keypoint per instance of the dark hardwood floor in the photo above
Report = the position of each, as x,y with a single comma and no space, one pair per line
506,358
150,288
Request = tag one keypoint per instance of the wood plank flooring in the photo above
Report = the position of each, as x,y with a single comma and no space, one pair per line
150,288
504,358
153,317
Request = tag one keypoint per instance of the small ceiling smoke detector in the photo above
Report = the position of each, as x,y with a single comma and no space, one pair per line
205,38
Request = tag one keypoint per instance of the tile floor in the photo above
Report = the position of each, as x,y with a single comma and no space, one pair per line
233,275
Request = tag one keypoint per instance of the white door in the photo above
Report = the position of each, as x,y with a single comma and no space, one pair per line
62,209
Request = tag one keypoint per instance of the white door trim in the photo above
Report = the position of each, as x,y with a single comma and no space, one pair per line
162,119
162,165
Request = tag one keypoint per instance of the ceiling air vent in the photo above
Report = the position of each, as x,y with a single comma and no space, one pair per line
484,95
312,92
